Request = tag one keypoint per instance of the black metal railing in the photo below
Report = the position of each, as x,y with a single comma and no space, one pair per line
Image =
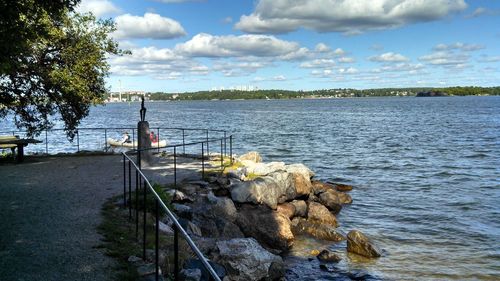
140,177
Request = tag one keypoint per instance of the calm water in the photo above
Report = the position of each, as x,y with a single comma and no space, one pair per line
427,172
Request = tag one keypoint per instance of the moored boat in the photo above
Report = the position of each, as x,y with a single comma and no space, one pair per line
118,143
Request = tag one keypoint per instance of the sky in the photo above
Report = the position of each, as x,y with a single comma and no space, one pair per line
195,45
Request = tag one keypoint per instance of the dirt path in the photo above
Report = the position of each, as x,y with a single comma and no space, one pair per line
49,211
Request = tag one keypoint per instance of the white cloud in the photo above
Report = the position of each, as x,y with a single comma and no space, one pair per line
318,63
322,48
400,67
486,58
350,17
206,45
339,52
445,58
346,60
97,7
231,69
227,20
149,26
458,46
350,70
178,1
388,57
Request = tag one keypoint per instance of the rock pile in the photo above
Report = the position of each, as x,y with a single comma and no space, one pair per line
244,218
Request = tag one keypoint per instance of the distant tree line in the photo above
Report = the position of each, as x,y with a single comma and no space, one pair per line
326,93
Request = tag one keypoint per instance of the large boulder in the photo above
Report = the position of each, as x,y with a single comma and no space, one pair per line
263,169
245,259
359,244
320,231
320,214
331,200
270,190
252,156
302,184
269,227
320,187
300,169
287,209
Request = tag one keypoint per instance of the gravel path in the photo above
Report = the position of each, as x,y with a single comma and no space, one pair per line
49,210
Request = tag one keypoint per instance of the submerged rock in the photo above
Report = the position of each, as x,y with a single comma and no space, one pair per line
270,228
327,256
319,213
359,244
245,259
320,231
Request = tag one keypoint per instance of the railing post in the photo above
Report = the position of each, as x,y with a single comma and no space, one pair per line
175,168
176,253
124,183
145,190
78,140
221,156
137,187
105,140
202,160
225,144
157,221
46,142
129,191
208,150
231,148
183,143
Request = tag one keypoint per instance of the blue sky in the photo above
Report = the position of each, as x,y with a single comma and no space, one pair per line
182,45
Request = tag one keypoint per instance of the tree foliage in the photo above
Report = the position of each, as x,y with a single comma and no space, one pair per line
54,63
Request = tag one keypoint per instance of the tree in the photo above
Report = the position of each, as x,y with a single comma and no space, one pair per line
53,62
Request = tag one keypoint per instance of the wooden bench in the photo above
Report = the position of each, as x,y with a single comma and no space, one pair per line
14,142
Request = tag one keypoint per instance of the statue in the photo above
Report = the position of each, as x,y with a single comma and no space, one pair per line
143,110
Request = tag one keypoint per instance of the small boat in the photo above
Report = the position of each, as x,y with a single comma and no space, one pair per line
114,142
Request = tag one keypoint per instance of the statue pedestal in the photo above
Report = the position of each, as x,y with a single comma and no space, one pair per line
144,157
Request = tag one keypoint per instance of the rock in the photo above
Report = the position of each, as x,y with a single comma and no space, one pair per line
135,260
179,196
263,169
216,207
320,214
189,189
302,184
314,252
146,269
300,207
320,231
327,256
217,227
252,155
359,244
166,229
199,183
276,271
182,210
151,256
205,275
190,228
287,209
300,169
341,187
245,259
320,187
205,244
193,274
270,190
331,200
270,228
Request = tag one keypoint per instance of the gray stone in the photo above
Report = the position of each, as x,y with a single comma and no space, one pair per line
146,269
193,274
320,214
360,244
270,190
300,208
199,183
300,169
182,210
331,200
166,229
263,169
245,259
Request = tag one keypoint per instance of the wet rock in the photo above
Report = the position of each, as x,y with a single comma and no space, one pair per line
341,187
245,259
360,244
270,228
331,200
252,156
327,256
300,208
320,214
270,190
320,231
302,184
287,209
320,187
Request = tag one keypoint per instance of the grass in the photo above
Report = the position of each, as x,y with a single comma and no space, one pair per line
120,241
